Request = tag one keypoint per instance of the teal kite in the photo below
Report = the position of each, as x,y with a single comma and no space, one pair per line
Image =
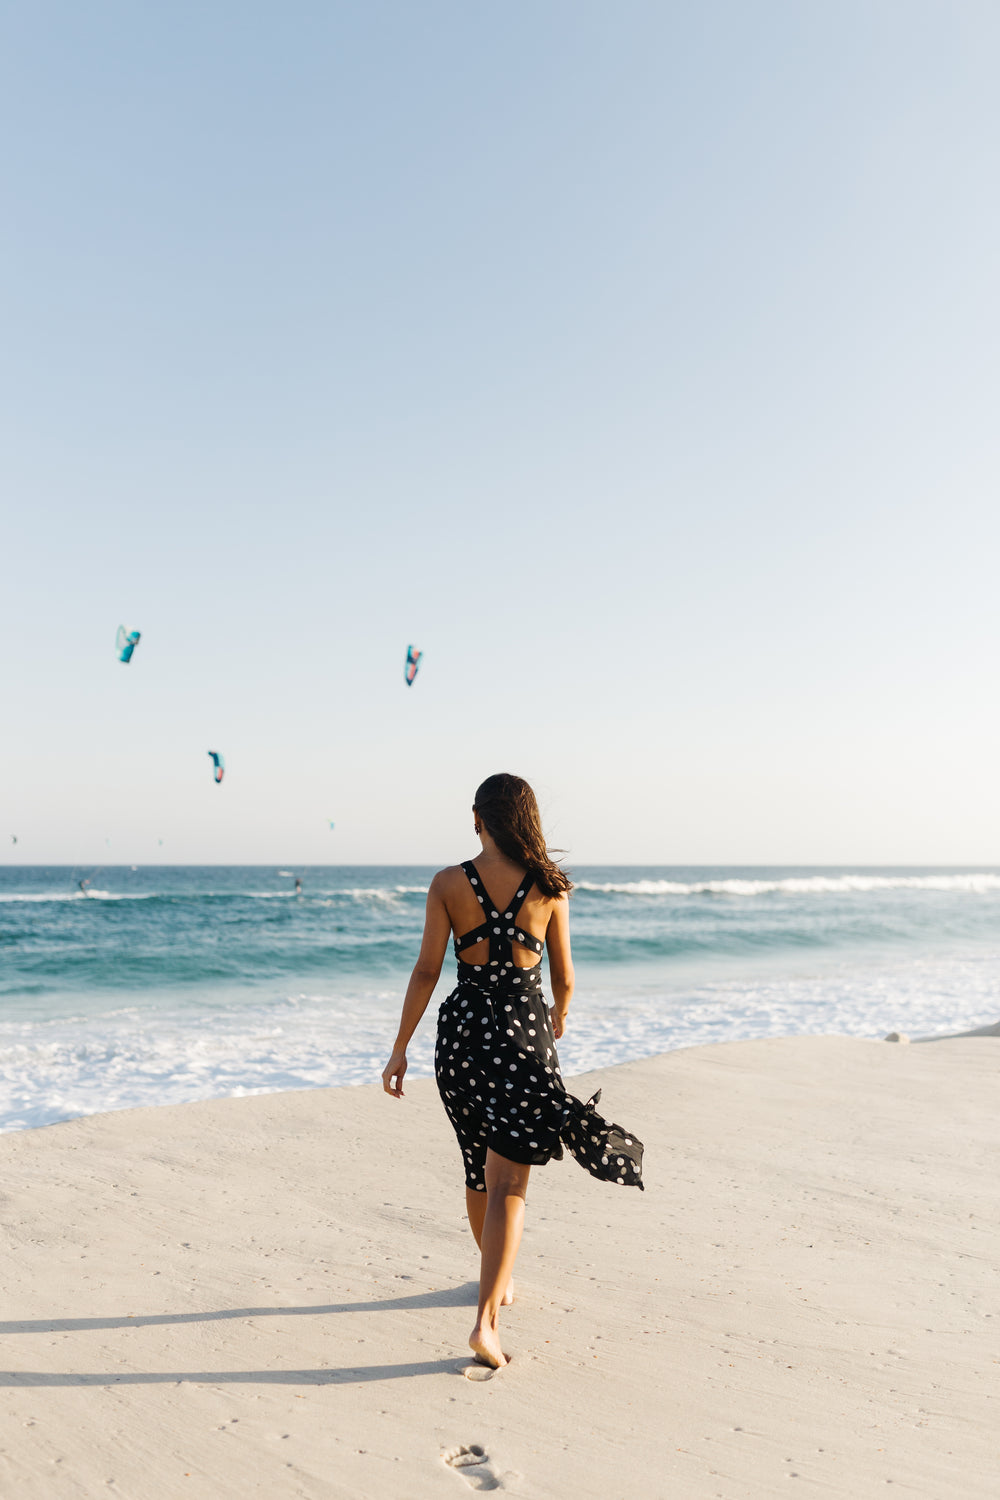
126,642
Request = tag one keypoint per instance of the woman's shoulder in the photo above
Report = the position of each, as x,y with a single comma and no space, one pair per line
447,878
552,905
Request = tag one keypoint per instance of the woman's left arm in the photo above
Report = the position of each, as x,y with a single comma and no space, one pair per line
561,974
426,973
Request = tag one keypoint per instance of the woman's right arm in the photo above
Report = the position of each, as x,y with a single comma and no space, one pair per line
561,976
426,972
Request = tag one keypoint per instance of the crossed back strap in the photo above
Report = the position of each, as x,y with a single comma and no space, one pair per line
499,927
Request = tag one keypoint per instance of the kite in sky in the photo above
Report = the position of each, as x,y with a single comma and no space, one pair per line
412,664
126,642
219,763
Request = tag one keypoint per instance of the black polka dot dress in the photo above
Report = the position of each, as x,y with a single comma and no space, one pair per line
496,1064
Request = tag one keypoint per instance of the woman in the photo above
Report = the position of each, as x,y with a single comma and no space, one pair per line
495,1061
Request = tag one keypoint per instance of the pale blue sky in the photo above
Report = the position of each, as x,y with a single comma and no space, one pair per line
638,362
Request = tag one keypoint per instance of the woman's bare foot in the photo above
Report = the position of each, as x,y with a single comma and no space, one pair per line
484,1342
507,1299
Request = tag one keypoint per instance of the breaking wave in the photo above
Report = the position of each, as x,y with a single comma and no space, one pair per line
977,884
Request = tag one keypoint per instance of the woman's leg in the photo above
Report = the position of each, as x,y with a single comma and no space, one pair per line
475,1207
506,1185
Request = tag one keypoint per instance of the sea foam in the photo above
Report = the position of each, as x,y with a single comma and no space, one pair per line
165,984
975,883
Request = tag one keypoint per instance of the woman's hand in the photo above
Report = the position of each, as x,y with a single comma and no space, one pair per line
558,1022
394,1070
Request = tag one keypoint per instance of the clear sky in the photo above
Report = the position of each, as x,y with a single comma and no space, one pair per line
638,362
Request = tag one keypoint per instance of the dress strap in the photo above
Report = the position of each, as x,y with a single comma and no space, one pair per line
475,880
470,939
494,928
521,894
486,900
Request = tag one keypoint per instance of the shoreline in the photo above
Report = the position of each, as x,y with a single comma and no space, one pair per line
990,1030
271,1294
187,983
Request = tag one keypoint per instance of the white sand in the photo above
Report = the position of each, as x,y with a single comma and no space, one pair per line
270,1296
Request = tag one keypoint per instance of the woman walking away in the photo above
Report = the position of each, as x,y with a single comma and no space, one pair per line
496,1064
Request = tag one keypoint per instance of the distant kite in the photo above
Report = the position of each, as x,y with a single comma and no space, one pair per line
332,827
13,837
219,764
412,664
126,642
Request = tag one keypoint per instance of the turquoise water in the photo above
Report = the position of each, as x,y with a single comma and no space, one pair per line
165,984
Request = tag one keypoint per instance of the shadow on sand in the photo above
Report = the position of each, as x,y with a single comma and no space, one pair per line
348,1375
456,1296
461,1296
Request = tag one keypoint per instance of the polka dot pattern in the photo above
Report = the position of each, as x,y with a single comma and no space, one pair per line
606,1150
497,1069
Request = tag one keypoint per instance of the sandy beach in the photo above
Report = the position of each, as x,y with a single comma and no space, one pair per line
272,1295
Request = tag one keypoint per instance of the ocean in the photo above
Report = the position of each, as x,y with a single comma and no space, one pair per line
159,985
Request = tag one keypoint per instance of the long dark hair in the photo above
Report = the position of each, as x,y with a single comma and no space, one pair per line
506,807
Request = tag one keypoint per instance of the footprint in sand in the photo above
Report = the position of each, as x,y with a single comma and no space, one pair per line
478,1370
473,1464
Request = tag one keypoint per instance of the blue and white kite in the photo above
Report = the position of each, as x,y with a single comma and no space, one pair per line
126,642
